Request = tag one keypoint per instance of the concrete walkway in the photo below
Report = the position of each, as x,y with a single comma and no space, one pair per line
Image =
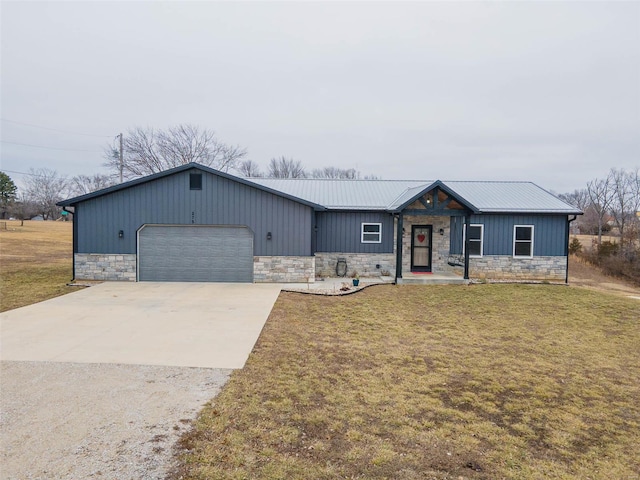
211,325
335,285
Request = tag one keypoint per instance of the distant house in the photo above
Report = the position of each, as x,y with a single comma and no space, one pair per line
193,223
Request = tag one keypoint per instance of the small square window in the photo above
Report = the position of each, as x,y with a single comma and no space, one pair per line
195,181
523,241
371,233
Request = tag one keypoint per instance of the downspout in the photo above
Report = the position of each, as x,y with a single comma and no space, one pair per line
566,278
399,248
74,241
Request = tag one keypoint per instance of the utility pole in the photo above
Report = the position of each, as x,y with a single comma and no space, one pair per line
121,158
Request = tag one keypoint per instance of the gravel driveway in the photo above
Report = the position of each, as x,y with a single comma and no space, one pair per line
104,421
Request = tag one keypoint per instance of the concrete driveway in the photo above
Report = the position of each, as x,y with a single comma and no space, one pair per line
95,384
211,325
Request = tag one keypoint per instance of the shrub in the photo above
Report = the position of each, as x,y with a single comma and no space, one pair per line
622,266
607,249
575,247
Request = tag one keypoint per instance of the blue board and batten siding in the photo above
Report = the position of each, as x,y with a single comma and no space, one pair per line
169,200
341,232
550,233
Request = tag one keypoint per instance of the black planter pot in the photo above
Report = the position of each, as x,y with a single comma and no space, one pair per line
356,282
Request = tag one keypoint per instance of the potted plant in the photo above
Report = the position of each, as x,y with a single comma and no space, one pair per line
356,279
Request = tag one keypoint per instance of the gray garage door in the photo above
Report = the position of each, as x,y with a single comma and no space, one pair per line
190,253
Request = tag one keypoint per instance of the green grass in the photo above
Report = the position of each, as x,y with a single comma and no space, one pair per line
36,284
479,382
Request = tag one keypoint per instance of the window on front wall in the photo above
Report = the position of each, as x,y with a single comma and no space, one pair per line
523,241
371,233
476,239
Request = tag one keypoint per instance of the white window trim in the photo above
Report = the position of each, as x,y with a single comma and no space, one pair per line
464,239
362,232
514,241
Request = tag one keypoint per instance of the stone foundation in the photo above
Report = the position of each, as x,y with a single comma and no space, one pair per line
284,269
509,268
363,263
94,266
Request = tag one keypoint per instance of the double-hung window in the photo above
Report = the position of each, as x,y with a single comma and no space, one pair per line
371,233
523,241
476,239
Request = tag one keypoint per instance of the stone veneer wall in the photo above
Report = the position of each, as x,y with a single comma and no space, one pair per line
509,268
97,266
440,243
284,269
363,263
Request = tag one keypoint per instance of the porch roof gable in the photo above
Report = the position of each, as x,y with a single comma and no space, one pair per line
410,195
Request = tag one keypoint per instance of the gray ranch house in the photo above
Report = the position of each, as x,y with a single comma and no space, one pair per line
194,223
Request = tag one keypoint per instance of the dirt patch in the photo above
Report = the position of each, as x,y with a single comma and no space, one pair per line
71,421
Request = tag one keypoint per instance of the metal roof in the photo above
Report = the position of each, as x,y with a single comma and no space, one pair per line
385,195
390,195
343,194
512,197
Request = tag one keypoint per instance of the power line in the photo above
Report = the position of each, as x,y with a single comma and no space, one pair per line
49,148
55,129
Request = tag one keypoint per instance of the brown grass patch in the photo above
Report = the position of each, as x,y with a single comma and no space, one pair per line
441,382
35,261
584,274
588,241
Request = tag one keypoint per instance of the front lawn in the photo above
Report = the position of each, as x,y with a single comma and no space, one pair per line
440,382
35,262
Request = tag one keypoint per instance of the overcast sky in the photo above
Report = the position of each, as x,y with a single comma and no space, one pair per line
540,91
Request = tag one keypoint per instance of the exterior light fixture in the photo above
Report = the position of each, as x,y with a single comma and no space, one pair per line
269,236
441,231
121,234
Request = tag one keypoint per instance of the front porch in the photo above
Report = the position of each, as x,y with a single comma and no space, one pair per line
427,223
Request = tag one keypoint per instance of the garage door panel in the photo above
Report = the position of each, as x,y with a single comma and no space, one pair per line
192,253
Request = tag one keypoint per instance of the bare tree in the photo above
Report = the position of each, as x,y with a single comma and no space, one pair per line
147,151
623,202
577,198
249,168
23,208
83,184
44,188
334,172
284,167
600,193
635,189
